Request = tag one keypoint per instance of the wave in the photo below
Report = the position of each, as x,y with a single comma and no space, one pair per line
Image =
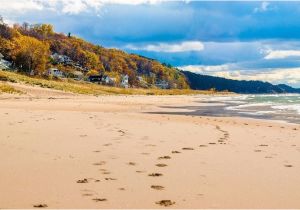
291,107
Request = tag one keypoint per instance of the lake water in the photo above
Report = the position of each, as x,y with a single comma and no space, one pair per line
283,107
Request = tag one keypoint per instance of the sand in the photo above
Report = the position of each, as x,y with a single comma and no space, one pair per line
66,151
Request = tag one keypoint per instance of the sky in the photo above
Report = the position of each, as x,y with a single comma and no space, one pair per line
253,40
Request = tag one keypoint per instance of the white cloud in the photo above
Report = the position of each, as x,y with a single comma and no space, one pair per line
205,69
265,6
281,54
19,5
64,6
275,76
134,2
170,48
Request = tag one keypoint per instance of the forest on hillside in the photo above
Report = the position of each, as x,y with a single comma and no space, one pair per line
206,82
30,49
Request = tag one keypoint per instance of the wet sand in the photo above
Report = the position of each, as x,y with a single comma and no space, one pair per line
66,151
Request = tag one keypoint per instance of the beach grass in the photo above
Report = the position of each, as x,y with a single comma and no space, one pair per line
82,87
5,88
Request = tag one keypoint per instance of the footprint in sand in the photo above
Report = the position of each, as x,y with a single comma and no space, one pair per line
40,206
164,157
122,132
81,181
263,145
202,145
83,136
99,163
161,165
140,171
187,148
165,203
157,187
110,179
87,194
212,143
257,150
106,145
106,172
131,163
99,199
288,166
155,174
176,152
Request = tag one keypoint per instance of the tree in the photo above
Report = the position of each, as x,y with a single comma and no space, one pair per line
30,54
1,20
5,30
91,60
43,30
5,47
92,73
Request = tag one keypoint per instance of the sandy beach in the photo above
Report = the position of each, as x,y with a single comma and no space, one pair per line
66,151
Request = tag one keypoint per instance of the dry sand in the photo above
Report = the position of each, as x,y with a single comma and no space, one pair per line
67,151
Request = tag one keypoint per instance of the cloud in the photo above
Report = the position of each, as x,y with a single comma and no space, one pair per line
276,76
186,46
281,54
65,6
265,6
19,5
202,69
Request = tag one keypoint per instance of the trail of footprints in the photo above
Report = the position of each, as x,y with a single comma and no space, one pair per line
160,164
223,140
225,137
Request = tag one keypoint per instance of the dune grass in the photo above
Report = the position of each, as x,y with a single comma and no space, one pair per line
81,87
5,88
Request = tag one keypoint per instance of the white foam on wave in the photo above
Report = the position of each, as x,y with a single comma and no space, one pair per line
291,107
228,98
242,106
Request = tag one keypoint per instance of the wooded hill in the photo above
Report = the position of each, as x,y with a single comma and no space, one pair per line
29,49
205,82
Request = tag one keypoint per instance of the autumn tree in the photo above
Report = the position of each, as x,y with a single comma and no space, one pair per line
30,54
5,47
5,30
90,59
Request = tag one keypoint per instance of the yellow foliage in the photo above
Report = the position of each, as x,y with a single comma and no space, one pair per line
92,72
30,54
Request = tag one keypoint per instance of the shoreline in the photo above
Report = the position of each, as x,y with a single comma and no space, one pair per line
110,152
